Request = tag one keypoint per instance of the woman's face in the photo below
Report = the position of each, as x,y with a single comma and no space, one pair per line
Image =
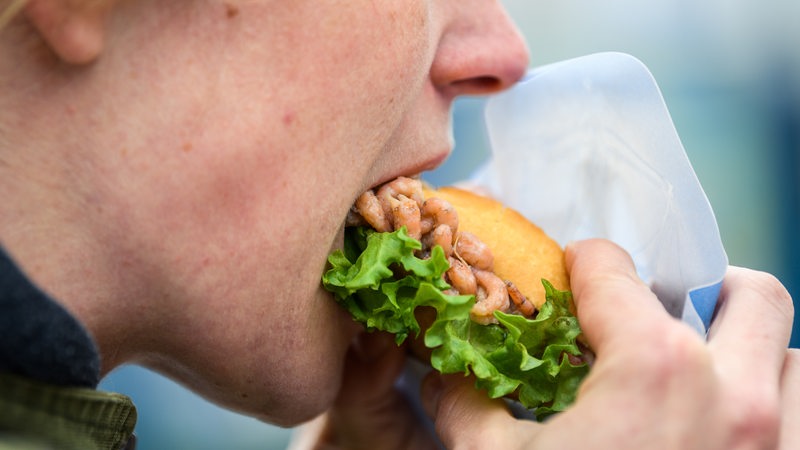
236,136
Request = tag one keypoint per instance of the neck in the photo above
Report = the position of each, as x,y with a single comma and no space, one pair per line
67,178
57,224
54,240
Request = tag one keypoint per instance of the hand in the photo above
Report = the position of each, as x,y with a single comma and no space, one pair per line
370,412
655,382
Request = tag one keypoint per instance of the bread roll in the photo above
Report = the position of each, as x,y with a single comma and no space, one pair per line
523,253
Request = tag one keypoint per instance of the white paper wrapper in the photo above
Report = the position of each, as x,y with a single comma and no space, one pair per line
586,148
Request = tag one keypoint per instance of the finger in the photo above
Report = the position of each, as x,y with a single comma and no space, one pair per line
372,366
751,330
369,410
612,302
790,401
467,417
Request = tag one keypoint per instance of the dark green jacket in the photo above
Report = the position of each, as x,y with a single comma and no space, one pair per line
35,415
49,371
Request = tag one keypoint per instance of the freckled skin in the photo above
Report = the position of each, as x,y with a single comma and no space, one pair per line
227,142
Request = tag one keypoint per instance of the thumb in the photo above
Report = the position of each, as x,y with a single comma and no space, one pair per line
464,415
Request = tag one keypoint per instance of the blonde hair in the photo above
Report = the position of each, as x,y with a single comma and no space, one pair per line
10,11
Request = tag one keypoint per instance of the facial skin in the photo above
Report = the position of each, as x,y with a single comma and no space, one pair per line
178,174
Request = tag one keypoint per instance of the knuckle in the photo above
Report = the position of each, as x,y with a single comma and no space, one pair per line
679,349
453,409
753,421
768,287
775,293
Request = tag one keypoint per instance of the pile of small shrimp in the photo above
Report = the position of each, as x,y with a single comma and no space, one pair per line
401,203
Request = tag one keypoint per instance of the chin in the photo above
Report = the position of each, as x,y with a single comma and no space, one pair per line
311,380
299,399
295,414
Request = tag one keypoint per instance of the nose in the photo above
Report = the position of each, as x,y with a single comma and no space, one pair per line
481,51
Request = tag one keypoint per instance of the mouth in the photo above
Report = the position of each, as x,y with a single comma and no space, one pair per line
411,171
338,240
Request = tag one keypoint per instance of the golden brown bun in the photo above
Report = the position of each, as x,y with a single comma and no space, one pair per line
523,253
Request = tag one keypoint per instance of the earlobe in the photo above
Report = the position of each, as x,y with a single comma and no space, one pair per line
73,29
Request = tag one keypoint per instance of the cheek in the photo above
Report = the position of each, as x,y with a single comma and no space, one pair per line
250,187
339,76
322,99
250,271
303,118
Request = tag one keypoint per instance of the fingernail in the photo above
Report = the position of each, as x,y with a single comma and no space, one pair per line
430,392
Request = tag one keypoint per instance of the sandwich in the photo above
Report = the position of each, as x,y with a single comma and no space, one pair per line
483,289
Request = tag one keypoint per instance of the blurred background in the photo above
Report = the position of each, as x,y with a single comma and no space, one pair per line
729,71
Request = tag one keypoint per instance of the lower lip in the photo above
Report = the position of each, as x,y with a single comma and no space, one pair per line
416,170
435,162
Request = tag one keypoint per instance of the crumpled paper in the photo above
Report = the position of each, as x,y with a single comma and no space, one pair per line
587,148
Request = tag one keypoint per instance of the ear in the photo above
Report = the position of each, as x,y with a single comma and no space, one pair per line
73,29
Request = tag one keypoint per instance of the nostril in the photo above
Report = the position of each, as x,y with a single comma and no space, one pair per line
479,85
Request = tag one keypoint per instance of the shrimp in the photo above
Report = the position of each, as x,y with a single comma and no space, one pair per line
473,251
461,277
492,296
405,212
370,208
442,235
435,212
523,305
409,187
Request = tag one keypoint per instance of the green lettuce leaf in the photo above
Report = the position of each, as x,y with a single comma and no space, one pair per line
378,278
